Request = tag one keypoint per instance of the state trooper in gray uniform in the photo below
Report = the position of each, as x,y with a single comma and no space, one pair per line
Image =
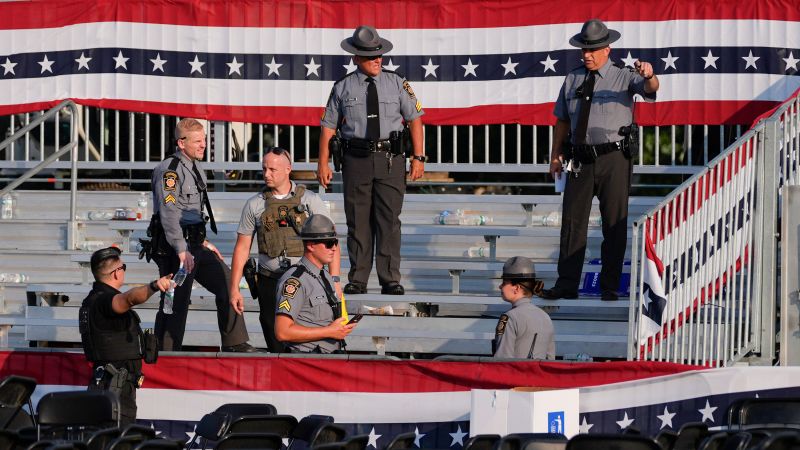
595,107
274,216
524,331
309,314
178,229
367,108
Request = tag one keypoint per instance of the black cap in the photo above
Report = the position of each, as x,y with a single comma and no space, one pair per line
103,254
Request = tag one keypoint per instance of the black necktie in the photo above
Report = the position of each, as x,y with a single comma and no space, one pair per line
202,187
586,92
373,114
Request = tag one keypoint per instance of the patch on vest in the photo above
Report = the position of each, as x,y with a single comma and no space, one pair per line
170,180
283,212
290,287
408,89
501,325
285,305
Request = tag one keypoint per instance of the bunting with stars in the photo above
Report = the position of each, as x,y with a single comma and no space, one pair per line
470,62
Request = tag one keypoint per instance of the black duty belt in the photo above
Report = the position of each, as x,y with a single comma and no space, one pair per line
599,149
372,146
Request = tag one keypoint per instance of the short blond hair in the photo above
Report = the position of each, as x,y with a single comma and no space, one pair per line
186,125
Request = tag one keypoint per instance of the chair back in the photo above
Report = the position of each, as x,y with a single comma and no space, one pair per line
237,410
263,441
61,413
100,439
611,442
15,392
690,435
406,440
766,411
159,444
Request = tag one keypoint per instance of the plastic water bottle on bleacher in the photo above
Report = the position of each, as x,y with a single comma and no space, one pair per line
7,207
459,217
13,278
169,296
552,220
478,252
142,206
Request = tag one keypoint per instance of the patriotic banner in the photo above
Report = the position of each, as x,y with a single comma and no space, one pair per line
470,62
653,292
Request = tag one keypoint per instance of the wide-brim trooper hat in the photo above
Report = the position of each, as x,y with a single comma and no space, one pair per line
366,42
518,268
594,34
317,228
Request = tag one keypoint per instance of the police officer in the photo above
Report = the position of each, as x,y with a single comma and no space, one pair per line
275,216
309,315
595,107
368,107
179,200
524,331
112,338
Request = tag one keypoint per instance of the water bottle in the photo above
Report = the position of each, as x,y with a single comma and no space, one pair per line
596,221
478,252
13,278
474,219
91,245
445,218
142,206
552,220
169,297
7,207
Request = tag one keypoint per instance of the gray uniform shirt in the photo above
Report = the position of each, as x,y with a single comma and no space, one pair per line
348,102
251,221
612,104
517,329
303,299
177,198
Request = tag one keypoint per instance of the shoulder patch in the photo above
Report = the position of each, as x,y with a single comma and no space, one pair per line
169,199
418,106
285,305
170,180
501,325
290,287
407,87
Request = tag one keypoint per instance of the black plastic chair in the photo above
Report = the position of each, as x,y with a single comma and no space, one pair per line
280,424
780,412
690,435
666,439
15,392
250,441
611,442
236,410
532,441
211,428
134,429
358,442
477,442
9,440
316,430
787,440
67,445
127,442
100,439
76,414
159,444
406,440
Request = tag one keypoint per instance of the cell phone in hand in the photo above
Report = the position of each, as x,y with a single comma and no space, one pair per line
355,319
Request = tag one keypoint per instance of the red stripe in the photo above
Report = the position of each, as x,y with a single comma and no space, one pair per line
414,14
296,374
664,113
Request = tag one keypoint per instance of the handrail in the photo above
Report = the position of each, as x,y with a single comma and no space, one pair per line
71,146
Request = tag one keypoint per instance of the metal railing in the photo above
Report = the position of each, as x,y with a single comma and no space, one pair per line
70,110
114,140
704,270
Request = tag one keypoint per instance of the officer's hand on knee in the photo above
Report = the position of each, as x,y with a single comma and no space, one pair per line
237,301
187,260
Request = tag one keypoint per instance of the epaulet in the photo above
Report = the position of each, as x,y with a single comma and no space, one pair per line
299,270
348,75
621,65
175,161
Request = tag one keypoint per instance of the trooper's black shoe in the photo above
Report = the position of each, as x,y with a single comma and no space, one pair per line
609,295
244,347
355,288
393,289
556,293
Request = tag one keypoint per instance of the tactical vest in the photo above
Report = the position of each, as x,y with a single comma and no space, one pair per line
102,346
281,221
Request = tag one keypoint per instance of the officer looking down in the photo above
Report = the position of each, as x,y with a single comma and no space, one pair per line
178,232
363,128
112,339
309,314
524,331
275,216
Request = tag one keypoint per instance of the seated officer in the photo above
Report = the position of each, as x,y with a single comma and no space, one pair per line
112,338
524,331
308,318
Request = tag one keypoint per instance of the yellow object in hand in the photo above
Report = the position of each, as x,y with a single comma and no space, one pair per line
344,309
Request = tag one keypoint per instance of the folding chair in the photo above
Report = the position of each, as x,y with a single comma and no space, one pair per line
159,444
211,427
666,439
15,392
237,410
766,412
262,441
532,441
611,442
690,435
406,440
787,440
280,424
100,439
62,413
477,442
311,430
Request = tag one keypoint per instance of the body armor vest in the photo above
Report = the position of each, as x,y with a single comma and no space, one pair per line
280,222
101,346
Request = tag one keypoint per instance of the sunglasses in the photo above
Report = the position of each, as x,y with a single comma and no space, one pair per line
328,243
123,268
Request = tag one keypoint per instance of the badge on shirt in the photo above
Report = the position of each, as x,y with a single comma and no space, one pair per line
285,305
501,325
290,288
170,180
408,89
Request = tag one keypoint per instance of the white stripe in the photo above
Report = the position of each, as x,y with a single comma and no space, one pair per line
674,388
298,93
448,41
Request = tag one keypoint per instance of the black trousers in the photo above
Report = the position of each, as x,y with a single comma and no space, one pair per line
126,395
267,298
609,178
213,274
373,200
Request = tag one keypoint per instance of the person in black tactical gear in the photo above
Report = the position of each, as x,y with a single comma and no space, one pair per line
309,314
112,339
274,217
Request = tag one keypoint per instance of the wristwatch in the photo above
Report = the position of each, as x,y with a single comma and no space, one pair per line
421,158
336,278
153,286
